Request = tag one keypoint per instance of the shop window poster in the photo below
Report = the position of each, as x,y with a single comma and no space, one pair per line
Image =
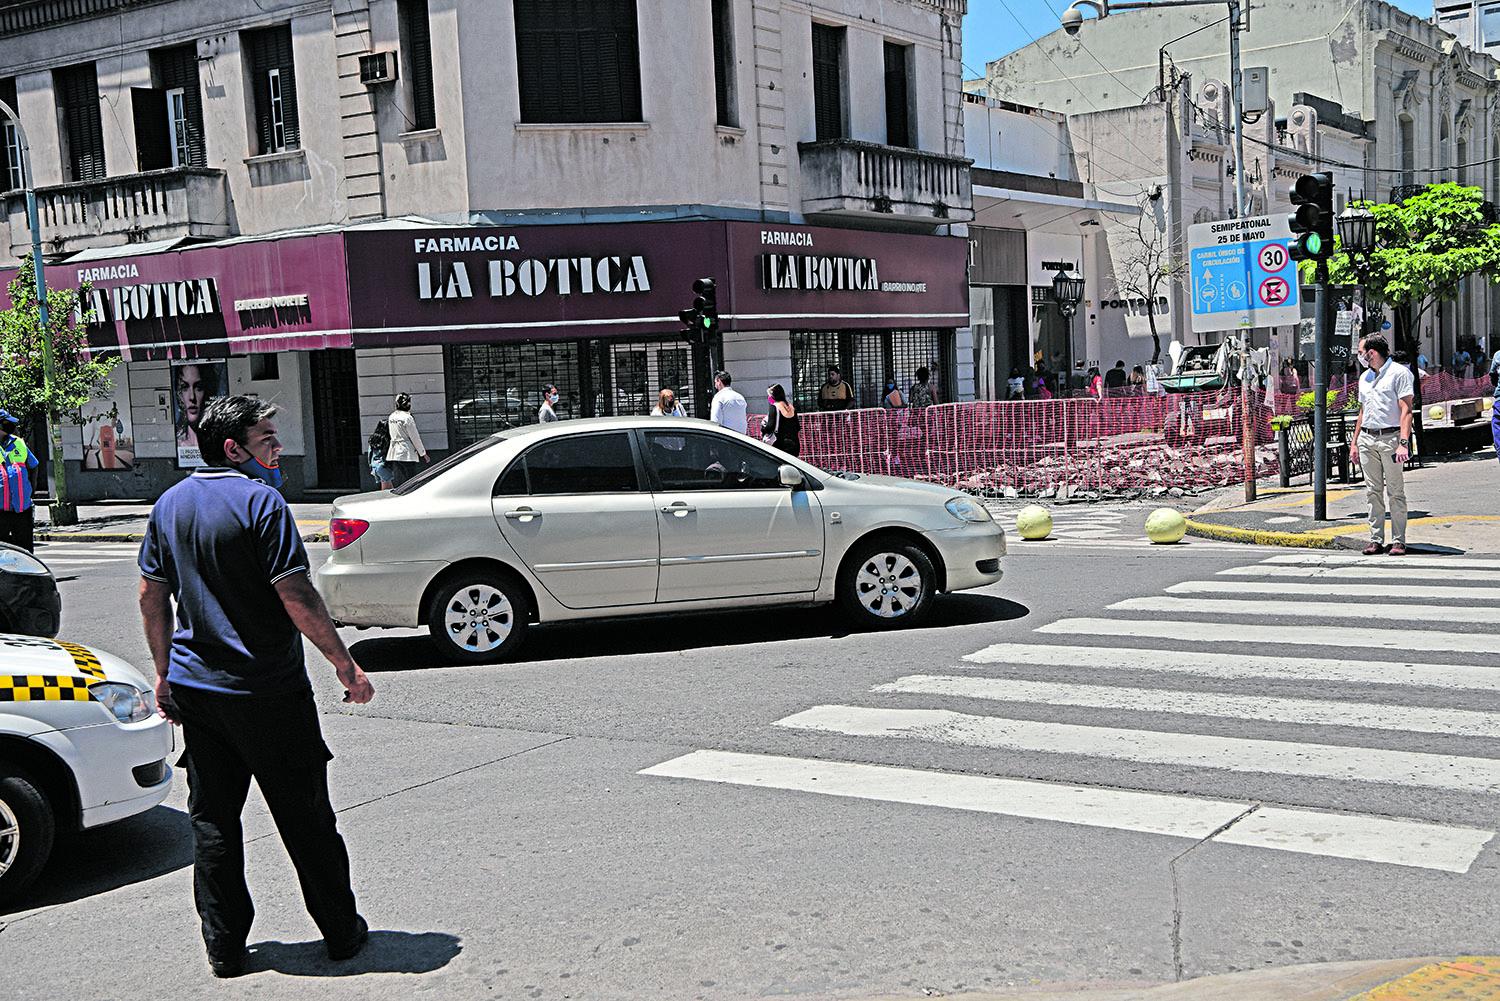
194,383
108,438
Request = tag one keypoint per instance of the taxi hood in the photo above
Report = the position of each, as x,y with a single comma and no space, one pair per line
36,655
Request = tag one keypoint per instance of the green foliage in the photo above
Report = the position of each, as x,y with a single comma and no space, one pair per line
1427,245
77,380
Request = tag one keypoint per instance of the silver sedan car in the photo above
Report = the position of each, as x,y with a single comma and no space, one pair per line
638,516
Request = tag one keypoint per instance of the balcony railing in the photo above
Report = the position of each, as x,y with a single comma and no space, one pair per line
131,208
846,177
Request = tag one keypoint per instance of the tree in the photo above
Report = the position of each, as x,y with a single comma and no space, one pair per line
77,377
1428,244
1147,268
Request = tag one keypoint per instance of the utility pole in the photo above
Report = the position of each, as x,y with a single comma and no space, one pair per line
59,511
1320,390
1236,100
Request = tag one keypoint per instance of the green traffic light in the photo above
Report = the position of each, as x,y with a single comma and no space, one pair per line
1313,244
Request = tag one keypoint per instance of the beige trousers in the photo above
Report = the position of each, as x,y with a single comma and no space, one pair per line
1383,474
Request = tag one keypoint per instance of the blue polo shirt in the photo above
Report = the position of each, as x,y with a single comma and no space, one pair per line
221,540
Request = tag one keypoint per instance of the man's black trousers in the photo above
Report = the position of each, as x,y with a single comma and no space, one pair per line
18,528
276,740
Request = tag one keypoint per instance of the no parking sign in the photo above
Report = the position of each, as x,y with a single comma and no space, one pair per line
1243,274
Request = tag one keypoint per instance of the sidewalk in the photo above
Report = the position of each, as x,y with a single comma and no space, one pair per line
1452,510
1461,978
123,521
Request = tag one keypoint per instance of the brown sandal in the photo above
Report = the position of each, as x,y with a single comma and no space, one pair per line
1374,549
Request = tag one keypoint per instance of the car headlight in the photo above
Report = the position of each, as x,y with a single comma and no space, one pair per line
968,509
19,561
126,703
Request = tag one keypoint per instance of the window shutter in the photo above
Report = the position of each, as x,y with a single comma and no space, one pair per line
77,89
12,171
828,81
153,142
579,60
178,67
419,63
897,83
268,49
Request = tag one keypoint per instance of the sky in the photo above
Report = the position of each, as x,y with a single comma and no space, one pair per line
993,28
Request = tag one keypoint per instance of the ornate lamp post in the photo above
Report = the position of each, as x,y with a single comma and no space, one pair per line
1068,291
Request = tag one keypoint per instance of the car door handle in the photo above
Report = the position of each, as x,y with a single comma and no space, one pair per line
680,509
523,515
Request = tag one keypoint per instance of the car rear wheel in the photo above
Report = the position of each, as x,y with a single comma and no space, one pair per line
887,584
26,831
478,619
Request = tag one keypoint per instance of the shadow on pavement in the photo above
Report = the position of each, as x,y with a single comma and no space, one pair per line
96,861
387,952
684,631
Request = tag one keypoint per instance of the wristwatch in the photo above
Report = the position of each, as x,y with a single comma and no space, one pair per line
1404,442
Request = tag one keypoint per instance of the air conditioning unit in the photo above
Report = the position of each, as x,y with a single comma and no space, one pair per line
377,67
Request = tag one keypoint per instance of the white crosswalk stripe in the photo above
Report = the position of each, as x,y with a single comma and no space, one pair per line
1160,667
62,555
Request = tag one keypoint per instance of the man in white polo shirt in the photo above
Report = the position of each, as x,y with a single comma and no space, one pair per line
1382,440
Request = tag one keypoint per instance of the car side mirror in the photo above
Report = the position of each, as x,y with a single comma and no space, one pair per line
791,476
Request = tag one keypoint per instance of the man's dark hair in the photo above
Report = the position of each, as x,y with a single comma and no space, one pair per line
229,417
1375,342
834,370
1120,363
723,377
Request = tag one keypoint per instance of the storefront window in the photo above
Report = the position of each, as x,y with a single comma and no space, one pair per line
492,387
868,360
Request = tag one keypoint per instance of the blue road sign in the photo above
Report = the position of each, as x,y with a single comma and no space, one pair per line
1243,274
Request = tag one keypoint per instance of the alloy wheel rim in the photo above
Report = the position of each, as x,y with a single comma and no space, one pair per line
10,837
888,585
479,618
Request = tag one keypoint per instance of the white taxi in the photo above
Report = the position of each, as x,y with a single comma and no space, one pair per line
81,745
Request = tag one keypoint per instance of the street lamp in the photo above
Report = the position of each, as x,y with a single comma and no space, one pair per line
1072,23
1068,291
59,510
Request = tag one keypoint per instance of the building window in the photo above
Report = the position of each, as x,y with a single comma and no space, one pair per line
1462,167
265,368
273,82
416,45
898,116
15,175
169,114
579,61
77,90
1408,150
1489,27
725,109
828,81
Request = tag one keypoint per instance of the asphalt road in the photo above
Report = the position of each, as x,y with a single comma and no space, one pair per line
506,843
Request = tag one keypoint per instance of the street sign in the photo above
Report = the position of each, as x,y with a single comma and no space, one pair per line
1243,274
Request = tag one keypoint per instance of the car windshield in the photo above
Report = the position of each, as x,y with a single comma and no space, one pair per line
437,469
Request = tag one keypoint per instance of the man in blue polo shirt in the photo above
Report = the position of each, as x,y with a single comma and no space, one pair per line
17,467
226,546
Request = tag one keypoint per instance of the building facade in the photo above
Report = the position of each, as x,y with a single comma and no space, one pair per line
1380,97
327,203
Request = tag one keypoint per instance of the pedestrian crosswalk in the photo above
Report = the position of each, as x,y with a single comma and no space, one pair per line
1384,673
77,556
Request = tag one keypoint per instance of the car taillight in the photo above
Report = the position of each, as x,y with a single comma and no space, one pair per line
343,531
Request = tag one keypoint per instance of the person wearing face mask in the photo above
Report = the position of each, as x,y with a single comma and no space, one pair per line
1382,440
230,671
545,413
781,428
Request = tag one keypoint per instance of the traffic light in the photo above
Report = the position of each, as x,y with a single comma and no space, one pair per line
702,318
1312,222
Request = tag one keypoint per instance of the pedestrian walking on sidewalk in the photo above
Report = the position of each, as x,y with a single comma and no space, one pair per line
406,452
17,469
1382,440
230,672
781,427
547,412
728,409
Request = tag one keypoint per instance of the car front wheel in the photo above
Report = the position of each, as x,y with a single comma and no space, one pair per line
478,619
26,831
887,584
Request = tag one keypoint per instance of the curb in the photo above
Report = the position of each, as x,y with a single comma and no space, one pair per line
1263,537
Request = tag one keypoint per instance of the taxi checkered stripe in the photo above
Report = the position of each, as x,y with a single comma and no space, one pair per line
55,687
44,688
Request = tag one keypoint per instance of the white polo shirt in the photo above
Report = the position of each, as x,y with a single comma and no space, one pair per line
1380,395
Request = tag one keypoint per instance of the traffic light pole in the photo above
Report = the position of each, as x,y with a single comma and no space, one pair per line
1320,392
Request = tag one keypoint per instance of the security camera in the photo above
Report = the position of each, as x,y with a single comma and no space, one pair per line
1072,20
